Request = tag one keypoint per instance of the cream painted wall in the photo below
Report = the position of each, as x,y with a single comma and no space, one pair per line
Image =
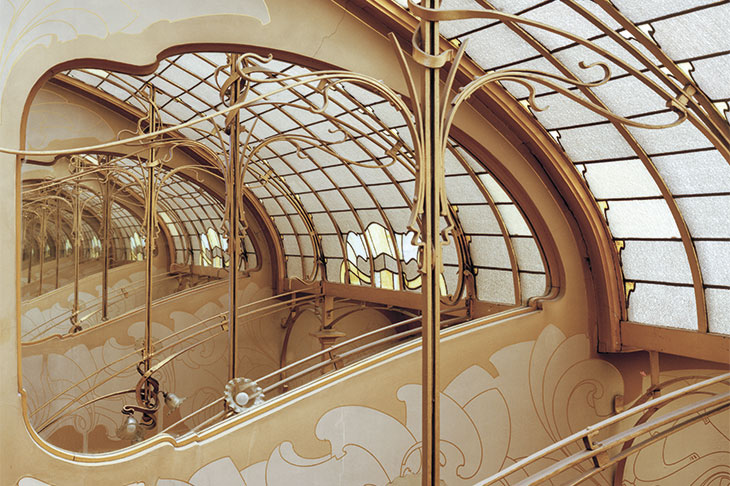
374,408
57,304
315,28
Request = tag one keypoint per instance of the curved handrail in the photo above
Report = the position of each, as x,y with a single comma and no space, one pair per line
322,364
599,452
651,393
258,313
117,295
219,316
49,272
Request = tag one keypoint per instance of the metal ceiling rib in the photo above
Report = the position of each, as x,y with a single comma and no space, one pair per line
318,194
192,216
123,223
665,193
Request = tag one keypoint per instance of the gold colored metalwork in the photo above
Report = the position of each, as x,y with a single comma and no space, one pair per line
600,452
428,119
233,89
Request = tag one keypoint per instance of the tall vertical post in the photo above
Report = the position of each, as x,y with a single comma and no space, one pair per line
30,259
42,245
106,226
77,254
431,169
149,232
232,189
58,241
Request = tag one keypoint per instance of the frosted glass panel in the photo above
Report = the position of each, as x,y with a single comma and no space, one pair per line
371,176
495,190
620,179
311,203
454,28
279,121
368,216
359,198
646,219
389,196
451,277
286,205
495,286
694,34
718,310
515,6
514,221
573,56
305,243
561,112
676,139
317,180
333,200
308,265
296,184
331,245
663,305
651,9
274,167
449,254
708,74
539,64
462,189
452,165
481,47
707,217
298,225
294,267
334,266
599,142
478,220
659,261
283,225
714,257
323,223
347,222
291,247
342,176
272,207
701,172
532,285
628,96
528,255
398,218
557,14
489,251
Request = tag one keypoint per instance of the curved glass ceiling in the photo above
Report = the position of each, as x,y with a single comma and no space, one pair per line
337,219
665,194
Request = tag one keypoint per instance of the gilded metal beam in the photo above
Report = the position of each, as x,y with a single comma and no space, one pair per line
430,177
150,227
233,190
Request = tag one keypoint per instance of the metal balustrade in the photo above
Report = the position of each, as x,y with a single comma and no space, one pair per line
603,452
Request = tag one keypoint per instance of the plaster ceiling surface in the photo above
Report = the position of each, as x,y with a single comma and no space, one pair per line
665,193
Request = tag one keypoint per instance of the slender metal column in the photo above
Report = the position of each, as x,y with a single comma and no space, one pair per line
42,245
77,254
106,226
232,190
30,259
58,240
431,169
149,233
